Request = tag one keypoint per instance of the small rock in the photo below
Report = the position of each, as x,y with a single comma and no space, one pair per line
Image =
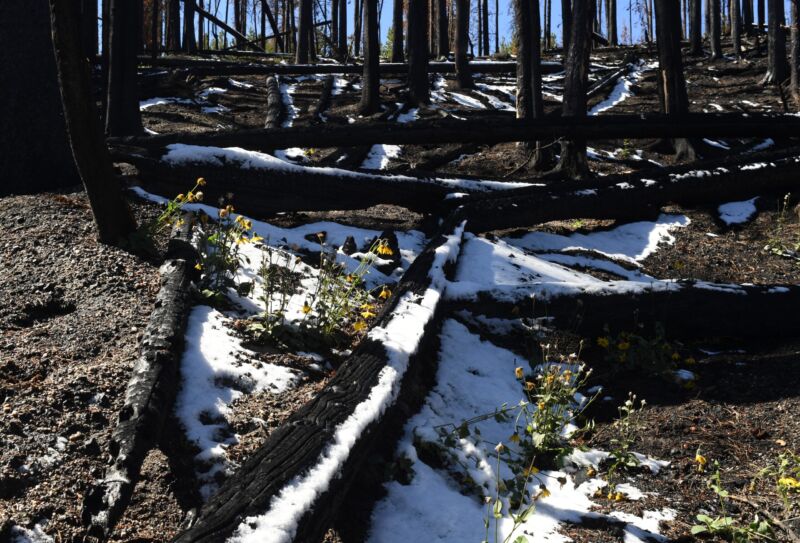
75,437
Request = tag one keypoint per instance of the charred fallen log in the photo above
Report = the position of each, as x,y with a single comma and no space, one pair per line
362,409
287,187
686,309
490,131
324,101
631,197
150,392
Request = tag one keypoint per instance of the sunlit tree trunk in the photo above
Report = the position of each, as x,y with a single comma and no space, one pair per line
370,86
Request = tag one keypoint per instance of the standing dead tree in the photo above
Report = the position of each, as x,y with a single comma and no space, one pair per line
695,28
113,218
123,117
398,35
371,80
530,103
418,51
777,66
715,29
463,72
573,163
672,93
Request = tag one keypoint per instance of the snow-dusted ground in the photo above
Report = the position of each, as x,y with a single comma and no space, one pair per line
623,89
737,212
433,508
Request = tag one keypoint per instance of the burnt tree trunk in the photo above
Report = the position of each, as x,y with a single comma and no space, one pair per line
36,155
306,23
463,72
716,30
123,117
398,54
89,27
736,28
485,23
343,28
696,28
747,16
111,213
335,28
611,22
530,104
795,65
189,41
762,10
566,24
173,24
777,68
573,163
418,51
370,84
276,110
671,81
358,10
442,37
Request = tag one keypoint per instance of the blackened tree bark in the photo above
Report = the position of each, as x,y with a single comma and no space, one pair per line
418,51
671,81
35,154
370,86
89,27
777,68
573,163
398,38
566,24
736,28
343,27
122,103
762,10
485,22
716,29
112,216
306,22
695,27
442,36
358,10
611,22
747,16
463,72
189,41
335,27
795,64
530,104
173,24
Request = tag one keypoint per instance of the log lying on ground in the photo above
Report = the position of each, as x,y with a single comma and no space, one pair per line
686,309
609,80
281,186
150,392
210,67
631,197
490,131
275,107
295,482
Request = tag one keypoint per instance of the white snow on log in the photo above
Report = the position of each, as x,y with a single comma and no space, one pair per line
158,101
380,155
400,336
178,153
717,144
622,90
215,372
407,117
737,212
240,84
432,507
466,100
632,242
204,94
766,144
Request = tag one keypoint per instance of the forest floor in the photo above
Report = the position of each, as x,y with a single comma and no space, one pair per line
72,313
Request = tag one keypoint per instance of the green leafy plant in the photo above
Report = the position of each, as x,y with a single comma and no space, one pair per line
628,351
783,241
278,282
625,427
172,212
340,298
724,525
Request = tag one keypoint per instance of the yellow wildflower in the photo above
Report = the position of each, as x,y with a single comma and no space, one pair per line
349,278
676,357
514,438
533,470
359,326
540,406
242,240
201,181
519,372
223,213
619,496
530,385
789,482
198,266
701,461
306,308
198,197
384,249
690,361
256,239
544,493
385,293
190,197
623,345
590,472
603,342
180,197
